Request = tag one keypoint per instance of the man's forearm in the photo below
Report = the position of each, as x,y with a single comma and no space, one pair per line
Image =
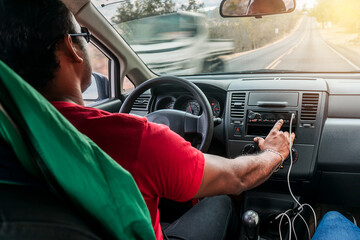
253,170
233,176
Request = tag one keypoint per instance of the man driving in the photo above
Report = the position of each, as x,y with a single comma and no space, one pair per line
43,43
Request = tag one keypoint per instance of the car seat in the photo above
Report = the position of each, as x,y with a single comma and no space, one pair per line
66,163
29,211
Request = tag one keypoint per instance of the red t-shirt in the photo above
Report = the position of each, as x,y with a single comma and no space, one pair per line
162,163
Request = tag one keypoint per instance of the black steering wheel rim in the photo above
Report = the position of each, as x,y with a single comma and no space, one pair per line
206,118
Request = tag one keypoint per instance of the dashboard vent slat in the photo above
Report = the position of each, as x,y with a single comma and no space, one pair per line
237,105
141,102
309,106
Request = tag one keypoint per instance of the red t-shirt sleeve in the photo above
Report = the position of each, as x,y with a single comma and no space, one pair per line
174,169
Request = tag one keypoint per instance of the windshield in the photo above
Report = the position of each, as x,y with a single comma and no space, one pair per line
187,37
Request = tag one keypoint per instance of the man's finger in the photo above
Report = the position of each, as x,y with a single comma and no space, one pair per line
292,137
259,140
287,135
278,125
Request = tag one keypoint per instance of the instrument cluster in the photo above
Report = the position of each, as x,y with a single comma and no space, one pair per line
188,104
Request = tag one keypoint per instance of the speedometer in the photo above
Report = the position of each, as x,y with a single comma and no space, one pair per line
215,106
191,106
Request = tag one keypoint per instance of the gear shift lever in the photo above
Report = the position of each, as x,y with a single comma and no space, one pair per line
250,220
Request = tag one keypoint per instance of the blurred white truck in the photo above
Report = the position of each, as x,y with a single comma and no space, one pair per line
182,47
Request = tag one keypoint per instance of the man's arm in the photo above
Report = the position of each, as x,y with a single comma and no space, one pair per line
233,176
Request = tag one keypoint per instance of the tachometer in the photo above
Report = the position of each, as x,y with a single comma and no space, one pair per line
191,106
169,105
215,106
165,103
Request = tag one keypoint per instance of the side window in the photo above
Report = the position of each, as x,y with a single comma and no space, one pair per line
99,88
128,86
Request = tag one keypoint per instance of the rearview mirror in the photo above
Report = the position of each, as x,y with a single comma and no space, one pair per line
255,8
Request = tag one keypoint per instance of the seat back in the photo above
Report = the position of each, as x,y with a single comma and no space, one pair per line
29,211
68,160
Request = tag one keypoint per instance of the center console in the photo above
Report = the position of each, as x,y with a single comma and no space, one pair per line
253,112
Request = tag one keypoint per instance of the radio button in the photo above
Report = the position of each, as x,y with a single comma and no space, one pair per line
237,131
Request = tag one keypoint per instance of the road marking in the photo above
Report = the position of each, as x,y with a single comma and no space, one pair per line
233,57
342,56
271,65
275,65
278,60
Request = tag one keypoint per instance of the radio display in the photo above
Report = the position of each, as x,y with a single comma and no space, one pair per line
260,123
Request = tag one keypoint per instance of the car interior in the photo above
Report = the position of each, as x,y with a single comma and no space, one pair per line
219,113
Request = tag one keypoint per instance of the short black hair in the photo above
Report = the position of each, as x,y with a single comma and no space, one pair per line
29,33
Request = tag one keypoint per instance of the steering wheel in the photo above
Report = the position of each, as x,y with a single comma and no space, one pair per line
178,121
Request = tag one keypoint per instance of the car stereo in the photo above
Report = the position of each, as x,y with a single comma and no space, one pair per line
259,123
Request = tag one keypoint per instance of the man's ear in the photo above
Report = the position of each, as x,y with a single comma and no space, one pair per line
72,50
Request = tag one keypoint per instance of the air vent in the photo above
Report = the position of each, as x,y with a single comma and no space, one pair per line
259,79
309,106
296,78
141,102
237,105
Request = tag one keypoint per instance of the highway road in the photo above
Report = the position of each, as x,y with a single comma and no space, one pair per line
304,50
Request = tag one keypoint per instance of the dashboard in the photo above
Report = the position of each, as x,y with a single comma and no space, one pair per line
326,123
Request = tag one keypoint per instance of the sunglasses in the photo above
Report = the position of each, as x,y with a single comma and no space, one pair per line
84,33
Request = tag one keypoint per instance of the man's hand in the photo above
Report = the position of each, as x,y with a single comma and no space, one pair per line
233,176
276,140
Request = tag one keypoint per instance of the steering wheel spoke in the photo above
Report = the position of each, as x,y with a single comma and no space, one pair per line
174,119
191,123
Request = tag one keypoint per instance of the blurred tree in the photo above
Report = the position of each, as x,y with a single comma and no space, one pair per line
126,11
322,11
344,13
192,6
146,8
142,8
252,33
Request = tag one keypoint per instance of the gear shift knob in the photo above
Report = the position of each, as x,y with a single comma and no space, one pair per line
250,220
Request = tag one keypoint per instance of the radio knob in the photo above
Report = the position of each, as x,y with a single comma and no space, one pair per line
249,149
254,115
294,154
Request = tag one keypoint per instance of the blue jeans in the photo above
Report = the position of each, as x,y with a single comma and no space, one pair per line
335,226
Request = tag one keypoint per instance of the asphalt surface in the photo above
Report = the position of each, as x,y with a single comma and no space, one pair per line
303,51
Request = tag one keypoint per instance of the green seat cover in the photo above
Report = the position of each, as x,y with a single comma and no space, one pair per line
91,179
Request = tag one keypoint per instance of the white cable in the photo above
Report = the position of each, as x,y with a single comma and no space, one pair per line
280,222
301,206
354,221
289,220
307,226
291,162
313,211
293,227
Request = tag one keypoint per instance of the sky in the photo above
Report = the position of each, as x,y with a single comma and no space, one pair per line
307,3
